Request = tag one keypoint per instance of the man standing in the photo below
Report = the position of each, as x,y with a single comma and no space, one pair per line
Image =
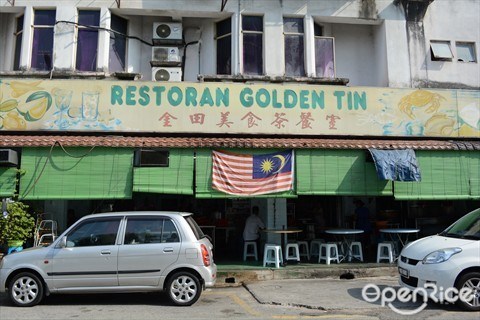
253,225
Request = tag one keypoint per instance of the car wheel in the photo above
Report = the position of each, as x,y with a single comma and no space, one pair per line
183,288
470,281
25,290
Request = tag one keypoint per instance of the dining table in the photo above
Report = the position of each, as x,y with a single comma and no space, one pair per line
284,232
346,237
399,236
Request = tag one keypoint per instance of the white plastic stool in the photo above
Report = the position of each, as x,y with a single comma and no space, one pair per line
328,252
303,247
385,252
292,252
315,247
252,253
356,251
272,254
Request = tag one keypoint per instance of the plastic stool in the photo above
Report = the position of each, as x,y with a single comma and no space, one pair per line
315,247
328,252
385,252
272,254
356,251
253,252
292,252
303,248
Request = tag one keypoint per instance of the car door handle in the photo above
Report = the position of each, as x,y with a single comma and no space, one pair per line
105,252
168,249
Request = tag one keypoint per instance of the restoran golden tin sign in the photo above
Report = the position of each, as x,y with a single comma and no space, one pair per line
286,109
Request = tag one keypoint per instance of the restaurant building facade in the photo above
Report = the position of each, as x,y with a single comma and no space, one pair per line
118,105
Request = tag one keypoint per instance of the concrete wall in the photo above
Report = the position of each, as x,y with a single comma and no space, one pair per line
451,21
375,46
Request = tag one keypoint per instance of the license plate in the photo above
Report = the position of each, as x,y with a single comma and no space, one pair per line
403,272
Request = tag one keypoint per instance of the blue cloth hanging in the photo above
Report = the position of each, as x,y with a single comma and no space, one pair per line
396,165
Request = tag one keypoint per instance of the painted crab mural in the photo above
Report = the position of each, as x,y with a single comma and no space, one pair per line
420,99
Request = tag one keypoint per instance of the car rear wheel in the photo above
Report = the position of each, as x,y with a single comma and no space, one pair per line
470,281
183,288
25,290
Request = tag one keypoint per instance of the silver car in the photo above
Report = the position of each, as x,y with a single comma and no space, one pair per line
115,252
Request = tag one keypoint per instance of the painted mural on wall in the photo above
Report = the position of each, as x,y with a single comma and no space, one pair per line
124,106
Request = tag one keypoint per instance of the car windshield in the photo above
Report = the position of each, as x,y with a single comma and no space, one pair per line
467,227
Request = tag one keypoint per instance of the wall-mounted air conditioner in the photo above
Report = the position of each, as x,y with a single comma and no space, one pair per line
165,54
8,157
167,74
167,31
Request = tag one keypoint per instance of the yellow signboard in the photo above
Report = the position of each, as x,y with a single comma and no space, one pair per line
279,109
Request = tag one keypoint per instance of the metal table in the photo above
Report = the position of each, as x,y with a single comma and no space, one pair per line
396,236
347,236
283,233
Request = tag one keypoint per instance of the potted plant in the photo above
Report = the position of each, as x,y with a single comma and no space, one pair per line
17,225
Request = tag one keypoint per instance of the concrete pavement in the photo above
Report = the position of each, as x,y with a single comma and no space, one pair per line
338,296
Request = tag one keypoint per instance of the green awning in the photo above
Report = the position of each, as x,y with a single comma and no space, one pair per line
8,181
203,176
76,173
177,178
338,172
446,175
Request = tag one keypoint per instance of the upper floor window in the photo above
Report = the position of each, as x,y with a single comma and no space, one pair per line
223,35
252,29
440,51
294,47
324,54
466,52
87,40
118,44
18,43
42,46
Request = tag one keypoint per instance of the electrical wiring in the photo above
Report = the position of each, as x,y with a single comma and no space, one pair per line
105,29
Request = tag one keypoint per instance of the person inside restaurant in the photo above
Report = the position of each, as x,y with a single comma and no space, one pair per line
363,222
253,226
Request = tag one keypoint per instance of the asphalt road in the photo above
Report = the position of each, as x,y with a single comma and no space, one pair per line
278,299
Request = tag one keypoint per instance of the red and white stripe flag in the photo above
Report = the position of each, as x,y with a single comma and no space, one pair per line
248,174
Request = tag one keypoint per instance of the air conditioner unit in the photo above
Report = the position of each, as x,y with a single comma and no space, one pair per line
167,74
8,157
165,54
167,31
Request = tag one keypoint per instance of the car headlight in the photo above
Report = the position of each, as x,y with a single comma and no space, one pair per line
440,255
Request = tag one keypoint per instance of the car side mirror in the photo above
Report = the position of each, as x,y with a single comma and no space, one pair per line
63,242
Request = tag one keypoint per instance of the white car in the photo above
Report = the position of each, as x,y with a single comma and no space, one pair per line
443,264
115,252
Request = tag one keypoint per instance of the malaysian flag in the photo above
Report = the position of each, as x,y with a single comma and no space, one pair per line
247,174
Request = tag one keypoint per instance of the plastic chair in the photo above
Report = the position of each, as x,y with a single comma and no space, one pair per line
356,251
328,252
303,247
251,253
385,252
315,247
292,252
272,254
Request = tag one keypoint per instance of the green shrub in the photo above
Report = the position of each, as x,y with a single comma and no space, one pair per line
18,225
